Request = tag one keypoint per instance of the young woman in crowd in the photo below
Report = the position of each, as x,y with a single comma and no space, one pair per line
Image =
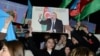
12,48
67,51
43,43
49,48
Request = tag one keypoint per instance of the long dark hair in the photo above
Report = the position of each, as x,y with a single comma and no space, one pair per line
1,45
45,48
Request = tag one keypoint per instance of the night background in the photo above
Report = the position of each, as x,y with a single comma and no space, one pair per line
93,18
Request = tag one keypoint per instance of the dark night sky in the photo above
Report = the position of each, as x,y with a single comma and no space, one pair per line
94,18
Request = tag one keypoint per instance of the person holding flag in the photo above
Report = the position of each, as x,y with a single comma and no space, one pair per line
4,29
9,28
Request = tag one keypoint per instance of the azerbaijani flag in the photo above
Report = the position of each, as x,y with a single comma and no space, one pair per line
75,8
89,9
74,4
47,12
10,33
29,11
46,15
78,6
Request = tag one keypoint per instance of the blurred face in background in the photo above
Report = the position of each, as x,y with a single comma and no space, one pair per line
54,16
67,51
91,53
50,44
5,51
12,48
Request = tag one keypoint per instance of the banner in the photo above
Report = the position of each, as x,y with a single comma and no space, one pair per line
42,19
18,11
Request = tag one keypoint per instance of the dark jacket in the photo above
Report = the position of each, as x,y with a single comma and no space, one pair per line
58,24
53,53
79,35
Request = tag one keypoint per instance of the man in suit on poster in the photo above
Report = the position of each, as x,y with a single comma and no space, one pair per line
53,24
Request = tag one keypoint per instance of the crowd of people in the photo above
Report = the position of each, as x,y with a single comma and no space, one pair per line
81,43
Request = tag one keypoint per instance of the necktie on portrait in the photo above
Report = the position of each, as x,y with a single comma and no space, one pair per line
53,25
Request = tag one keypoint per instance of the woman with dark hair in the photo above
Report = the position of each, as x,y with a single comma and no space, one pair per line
49,48
1,45
42,43
67,51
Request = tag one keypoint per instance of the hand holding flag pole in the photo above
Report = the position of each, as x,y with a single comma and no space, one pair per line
7,22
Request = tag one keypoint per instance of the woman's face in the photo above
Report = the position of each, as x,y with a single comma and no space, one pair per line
4,51
67,50
50,44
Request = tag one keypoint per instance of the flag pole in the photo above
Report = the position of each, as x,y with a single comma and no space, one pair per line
88,18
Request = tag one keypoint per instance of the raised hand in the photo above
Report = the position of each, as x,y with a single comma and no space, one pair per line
8,21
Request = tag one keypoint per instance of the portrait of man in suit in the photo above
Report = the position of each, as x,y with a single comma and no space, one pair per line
54,24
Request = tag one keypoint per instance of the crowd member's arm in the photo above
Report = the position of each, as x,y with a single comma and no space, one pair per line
41,20
69,29
77,25
4,29
30,31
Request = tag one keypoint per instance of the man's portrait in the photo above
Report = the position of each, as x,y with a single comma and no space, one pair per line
49,19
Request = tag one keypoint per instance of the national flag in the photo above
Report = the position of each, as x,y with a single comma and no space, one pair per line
89,9
65,3
75,8
29,11
83,3
78,6
10,33
74,5
46,15
15,9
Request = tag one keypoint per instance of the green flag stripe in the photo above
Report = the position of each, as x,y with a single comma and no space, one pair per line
89,9
65,3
